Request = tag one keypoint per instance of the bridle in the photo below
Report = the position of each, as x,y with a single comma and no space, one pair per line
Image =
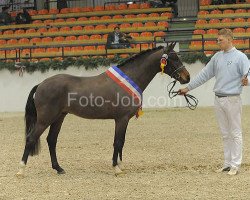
175,74
192,101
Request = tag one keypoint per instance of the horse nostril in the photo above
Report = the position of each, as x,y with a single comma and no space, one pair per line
188,78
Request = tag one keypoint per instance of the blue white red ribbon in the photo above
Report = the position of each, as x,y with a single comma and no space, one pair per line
125,82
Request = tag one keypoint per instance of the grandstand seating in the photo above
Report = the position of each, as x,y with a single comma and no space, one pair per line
83,31
72,32
211,18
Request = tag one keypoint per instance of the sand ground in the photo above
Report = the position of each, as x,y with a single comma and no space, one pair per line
168,154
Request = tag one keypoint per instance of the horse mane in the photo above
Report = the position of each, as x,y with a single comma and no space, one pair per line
134,57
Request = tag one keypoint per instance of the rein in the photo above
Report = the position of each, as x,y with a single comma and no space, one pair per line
247,72
192,101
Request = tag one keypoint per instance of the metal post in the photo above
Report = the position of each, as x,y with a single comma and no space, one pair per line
30,55
203,42
63,52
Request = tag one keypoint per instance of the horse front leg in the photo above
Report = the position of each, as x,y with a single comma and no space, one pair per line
119,139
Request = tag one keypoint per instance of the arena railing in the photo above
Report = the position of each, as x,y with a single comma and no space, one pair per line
74,3
158,40
84,23
100,13
90,42
105,52
19,4
123,2
225,6
222,16
202,47
51,3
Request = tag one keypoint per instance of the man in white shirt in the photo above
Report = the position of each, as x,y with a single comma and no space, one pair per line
230,67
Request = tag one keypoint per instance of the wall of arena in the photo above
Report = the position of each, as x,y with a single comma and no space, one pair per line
15,89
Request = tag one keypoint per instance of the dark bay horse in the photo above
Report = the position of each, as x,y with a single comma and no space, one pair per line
97,97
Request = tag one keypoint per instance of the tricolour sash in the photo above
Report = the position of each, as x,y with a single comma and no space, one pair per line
125,82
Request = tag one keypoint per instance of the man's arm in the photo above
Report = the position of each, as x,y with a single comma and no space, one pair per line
244,70
109,40
203,76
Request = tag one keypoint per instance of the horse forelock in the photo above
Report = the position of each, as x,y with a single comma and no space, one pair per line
142,53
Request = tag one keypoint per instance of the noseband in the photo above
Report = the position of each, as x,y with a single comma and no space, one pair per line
176,75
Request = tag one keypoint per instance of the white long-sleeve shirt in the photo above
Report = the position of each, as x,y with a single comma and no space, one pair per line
228,68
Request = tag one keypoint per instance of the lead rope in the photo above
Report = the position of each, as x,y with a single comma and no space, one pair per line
247,72
245,76
192,101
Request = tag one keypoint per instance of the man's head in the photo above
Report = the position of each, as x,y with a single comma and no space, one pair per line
225,39
117,29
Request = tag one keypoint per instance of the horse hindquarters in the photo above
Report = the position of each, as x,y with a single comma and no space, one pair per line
34,129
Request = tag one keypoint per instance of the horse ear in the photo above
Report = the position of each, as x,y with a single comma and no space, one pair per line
172,45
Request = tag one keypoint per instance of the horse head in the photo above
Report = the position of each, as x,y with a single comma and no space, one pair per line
172,65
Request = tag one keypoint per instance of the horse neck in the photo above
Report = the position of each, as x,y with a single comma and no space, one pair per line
144,70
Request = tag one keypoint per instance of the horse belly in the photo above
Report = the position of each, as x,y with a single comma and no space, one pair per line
105,110
92,112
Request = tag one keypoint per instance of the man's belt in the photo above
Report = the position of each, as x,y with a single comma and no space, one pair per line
222,96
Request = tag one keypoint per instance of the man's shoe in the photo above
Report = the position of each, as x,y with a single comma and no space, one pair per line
223,169
233,171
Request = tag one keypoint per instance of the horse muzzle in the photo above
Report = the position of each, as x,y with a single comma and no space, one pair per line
181,74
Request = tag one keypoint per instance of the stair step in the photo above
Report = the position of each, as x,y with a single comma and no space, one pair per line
184,19
191,29
181,25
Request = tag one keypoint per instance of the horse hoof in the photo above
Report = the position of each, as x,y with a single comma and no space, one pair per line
121,174
19,175
61,172
121,166
118,171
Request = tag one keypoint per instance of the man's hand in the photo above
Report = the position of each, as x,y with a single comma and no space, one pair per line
183,91
244,81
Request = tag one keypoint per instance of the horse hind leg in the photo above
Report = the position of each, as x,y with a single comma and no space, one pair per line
120,131
52,140
31,146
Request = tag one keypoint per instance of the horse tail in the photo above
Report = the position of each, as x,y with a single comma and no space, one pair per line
30,120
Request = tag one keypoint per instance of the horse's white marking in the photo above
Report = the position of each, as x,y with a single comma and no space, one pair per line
20,173
117,170
121,166
22,165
